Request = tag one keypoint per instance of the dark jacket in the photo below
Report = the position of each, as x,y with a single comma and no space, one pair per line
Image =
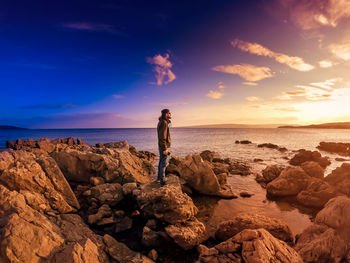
164,140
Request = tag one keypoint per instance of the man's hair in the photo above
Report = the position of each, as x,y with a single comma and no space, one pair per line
164,112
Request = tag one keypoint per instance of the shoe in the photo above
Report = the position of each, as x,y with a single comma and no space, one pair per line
162,182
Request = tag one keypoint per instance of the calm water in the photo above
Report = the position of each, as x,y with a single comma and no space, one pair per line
222,141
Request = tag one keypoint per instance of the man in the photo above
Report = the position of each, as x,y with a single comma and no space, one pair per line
164,142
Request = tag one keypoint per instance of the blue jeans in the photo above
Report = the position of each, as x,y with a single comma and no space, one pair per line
162,164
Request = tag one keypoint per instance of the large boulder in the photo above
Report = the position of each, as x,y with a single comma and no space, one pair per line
319,243
291,181
328,238
313,169
39,179
340,179
305,156
27,235
335,147
187,234
276,227
250,246
199,175
112,164
167,203
271,172
317,193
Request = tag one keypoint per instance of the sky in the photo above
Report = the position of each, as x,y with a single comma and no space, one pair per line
117,64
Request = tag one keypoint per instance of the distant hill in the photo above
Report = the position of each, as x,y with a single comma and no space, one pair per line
7,127
333,125
233,126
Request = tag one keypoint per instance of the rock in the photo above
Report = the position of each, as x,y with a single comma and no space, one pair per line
199,176
222,178
340,179
41,178
29,236
240,168
96,180
257,160
219,168
128,188
123,224
80,142
167,203
99,218
276,227
313,169
187,234
151,238
245,142
335,147
245,194
152,224
46,145
110,194
341,159
336,214
304,156
317,194
250,246
319,243
10,144
237,142
291,181
207,155
271,172
99,145
153,255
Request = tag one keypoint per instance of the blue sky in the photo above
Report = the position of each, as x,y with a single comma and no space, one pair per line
109,64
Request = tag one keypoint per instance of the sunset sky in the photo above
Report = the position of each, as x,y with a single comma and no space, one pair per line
111,64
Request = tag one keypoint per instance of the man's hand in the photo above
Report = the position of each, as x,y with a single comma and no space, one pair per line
165,152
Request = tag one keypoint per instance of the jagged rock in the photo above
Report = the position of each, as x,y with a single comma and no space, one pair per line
222,178
317,193
103,212
29,236
250,246
96,180
128,188
271,173
304,156
319,243
313,169
335,147
291,181
219,168
153,254
99,145
152,238
237,167
245,142
187,234
121,253
340,179
122,224
198,175
272,146
110,194
167,203
245,194
207,155
40,176
276,227
80,142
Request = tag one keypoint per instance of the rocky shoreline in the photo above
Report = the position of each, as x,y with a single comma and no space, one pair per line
66,201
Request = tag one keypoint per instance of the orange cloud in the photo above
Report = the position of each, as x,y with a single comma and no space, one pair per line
341,50
246,71
287,109
311,14
252,98
250,83
162,68
216,94
257,49
326,64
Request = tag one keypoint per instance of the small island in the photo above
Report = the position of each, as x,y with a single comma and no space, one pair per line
333,125
7,127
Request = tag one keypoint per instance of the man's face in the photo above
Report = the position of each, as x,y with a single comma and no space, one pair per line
168,115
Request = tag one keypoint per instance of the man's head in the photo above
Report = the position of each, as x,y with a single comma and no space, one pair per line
166,114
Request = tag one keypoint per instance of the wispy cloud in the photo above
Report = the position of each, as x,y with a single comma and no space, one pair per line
314,91
48,106
162,68
217,93
257,49
250,83
252,98
93,27
326,63
246,71
341,50
311,14
286,109
118,96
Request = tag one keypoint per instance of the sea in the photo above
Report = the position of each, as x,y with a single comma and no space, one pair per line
222,141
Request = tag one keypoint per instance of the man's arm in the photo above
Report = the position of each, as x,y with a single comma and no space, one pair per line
162,135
